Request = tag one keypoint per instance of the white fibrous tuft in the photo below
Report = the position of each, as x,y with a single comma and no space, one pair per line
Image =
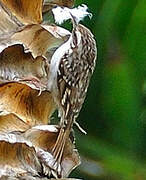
62,14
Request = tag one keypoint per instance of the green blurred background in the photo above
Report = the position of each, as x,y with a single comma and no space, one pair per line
114,113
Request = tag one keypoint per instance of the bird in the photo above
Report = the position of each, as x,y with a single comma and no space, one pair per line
71,68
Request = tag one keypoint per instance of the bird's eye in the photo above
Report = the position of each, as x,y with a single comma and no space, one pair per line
55,6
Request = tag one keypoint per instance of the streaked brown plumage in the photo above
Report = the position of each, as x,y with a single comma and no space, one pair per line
72,66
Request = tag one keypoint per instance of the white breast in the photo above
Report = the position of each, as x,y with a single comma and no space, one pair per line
55,61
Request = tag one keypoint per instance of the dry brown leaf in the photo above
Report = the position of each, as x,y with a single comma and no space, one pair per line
25,103
28,12
10,122
28,153
40,39
33,178
48,4
67,3
8,23
20,12
43,138
16,158
16,65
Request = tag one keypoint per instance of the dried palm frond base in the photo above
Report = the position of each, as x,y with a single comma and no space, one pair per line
28,153
11,122
26,47
30,12
33,178
27,109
